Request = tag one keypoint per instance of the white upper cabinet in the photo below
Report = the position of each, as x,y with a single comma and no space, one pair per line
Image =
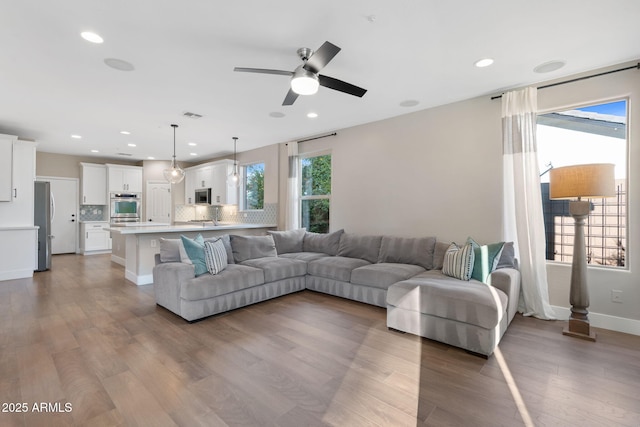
124,178
204,177
94,184
211,175
19,212
6,167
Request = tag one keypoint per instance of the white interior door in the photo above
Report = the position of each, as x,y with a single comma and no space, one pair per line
159,201
64,212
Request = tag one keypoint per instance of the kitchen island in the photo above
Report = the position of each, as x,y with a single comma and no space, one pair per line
135,246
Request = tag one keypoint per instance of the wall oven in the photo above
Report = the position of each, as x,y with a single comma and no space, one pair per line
125,207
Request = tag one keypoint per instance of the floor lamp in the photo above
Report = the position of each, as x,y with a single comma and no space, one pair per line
571,182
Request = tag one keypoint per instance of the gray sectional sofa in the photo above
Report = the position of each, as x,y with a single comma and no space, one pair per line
403,275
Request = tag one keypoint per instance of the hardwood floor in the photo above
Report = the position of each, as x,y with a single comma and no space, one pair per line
80,335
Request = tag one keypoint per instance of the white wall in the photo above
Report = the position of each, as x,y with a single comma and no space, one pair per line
439,172
435,172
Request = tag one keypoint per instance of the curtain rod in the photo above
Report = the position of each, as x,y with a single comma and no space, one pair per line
315,137
637,66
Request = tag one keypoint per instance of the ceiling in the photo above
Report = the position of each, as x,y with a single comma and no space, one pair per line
54,84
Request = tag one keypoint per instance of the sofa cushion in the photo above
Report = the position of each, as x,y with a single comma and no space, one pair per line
408,250
304,256
278,268
170,250
485,259
435,294
215,256
288,241
438,254
383,275
324,243
508,257
359,246
233,278
335,267
226,241
458,262
195,251
250,247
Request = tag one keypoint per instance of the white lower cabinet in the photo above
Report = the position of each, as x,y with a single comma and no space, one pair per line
94,239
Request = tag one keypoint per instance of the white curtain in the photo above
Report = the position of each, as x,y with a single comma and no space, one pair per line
523,219
291,221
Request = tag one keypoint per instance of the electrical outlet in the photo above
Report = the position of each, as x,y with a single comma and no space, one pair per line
82,211
616,296
153,243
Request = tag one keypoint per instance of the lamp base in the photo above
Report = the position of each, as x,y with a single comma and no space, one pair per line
579,329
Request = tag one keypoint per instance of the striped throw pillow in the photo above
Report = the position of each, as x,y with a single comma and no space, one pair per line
215,256
458,262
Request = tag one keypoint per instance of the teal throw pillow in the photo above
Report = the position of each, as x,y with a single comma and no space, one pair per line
486,258
195,252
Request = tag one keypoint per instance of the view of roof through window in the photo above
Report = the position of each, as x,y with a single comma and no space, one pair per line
592,134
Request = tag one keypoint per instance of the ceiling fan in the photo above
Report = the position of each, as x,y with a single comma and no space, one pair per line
305,78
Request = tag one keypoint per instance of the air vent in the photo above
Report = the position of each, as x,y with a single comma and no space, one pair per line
124,154
191,115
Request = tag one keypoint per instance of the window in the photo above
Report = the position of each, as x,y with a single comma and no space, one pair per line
315,192
253,188
592,134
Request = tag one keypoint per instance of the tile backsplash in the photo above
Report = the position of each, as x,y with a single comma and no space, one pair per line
268,215
94,213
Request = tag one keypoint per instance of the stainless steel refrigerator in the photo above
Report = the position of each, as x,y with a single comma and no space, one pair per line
42,218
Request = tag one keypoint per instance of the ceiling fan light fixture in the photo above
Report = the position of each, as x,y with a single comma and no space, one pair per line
304,82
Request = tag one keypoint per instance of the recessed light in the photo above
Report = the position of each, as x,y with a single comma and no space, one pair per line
550,66
91,37
76,136
131,145
312,115
192,144
119,64
95,151
125,132
276,114
193,154
409,103
485,62
151,158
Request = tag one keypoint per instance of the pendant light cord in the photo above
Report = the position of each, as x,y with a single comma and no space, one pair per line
174,146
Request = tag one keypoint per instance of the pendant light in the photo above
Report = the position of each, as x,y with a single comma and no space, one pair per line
175,174
234,177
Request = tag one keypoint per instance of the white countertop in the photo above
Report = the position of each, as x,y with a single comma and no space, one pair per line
181,228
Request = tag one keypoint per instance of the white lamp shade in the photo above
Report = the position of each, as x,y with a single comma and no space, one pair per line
585,181
304,82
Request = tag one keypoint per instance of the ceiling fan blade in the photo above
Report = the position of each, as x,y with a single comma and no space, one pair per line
290,98
341,86
263,71
321,57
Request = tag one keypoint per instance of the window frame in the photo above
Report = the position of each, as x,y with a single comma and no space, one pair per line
627,190
242,199
301,198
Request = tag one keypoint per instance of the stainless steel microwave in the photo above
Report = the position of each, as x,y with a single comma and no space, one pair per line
203,196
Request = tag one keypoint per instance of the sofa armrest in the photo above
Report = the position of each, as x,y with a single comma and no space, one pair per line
508,281
167,282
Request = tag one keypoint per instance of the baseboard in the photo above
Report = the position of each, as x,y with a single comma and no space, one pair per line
604,321
16,274
145,279
118,260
